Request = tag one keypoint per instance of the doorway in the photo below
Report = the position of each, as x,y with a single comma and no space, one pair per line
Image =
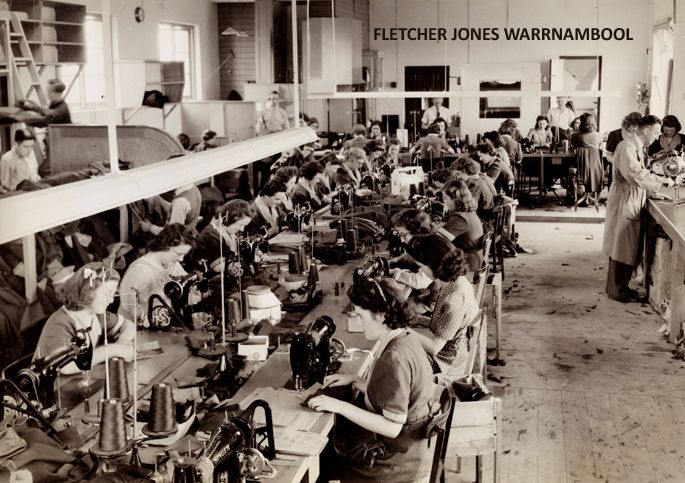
422,78
583,73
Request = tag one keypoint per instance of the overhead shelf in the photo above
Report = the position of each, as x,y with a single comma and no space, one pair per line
29,213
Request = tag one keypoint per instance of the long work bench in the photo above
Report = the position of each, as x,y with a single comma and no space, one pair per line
671,218
178,364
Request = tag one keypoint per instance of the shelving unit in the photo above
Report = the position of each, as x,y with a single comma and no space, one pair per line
55,31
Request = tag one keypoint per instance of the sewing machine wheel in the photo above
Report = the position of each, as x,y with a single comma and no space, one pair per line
337,349
253,463
161,317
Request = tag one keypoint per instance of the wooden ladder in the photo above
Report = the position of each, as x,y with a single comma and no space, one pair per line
17,35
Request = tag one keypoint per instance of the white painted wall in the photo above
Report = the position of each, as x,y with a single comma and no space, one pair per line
678,89
139,41
624,62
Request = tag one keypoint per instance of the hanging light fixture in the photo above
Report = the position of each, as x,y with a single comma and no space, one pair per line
230,31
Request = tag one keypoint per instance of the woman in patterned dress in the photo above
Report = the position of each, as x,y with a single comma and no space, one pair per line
455,308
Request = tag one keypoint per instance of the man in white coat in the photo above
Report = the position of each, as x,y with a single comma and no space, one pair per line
633,183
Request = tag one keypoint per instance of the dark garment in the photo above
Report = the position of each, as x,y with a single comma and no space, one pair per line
513,149
618,278
483,192
432,146
501,175
466,228
301,196
56,113
613,138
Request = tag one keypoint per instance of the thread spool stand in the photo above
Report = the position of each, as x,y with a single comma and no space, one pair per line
162,419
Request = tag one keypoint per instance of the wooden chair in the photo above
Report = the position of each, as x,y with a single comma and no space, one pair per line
473,428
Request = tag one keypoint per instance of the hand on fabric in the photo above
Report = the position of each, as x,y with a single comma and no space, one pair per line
326,403
335,380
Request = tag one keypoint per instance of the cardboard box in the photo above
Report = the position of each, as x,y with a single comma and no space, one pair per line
255,348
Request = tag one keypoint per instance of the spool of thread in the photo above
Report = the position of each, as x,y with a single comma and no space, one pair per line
352,240
345,228
412,190
337,289
162,420
112,437
313,273
304,266
234,315
245,304
118,379
466,140
294,263
422,188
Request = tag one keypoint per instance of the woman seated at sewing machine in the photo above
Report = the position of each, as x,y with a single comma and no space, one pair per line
350,169
225,229
148,274
267,207
456,305
398,394
86,296
288,176
463,227
307,190
541,135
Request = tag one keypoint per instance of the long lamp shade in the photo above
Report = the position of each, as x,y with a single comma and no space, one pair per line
29,213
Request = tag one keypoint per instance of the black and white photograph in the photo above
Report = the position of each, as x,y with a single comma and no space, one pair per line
312,241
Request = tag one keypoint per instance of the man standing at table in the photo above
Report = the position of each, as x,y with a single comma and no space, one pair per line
560,118
627,199
270,120
434,112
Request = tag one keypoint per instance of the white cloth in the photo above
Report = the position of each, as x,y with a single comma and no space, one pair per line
15,168
561,119
432,113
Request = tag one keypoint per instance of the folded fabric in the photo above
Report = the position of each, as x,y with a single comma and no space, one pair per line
10,443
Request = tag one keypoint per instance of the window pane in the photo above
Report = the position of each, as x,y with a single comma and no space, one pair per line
182,40
175,43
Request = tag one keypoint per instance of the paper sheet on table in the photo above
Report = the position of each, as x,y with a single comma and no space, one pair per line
286,407
305,443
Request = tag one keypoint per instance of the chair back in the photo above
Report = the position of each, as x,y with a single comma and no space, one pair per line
477,333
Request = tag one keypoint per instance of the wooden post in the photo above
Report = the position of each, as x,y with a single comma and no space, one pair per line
677,292
296,65
123,223
30,267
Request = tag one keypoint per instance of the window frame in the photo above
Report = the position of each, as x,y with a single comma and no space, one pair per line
190,72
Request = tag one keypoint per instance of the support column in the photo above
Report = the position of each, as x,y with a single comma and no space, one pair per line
30,267
264,23
678,81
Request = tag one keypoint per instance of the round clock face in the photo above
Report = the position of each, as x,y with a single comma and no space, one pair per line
139,14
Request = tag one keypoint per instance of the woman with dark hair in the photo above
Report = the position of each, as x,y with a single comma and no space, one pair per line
587,143
501,175
463,226
232,218
670,137
266,207
541,135
495,141
208,141
306,190
399,395
148,274
376,132
85,298
456,305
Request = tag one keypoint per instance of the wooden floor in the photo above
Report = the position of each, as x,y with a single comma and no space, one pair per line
590,392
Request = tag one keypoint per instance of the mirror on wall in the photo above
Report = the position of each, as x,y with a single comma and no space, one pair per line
500,107
582,73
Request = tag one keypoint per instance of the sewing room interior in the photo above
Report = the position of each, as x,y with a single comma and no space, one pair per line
230,228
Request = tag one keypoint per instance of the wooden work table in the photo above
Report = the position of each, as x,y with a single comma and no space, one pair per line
671,218
177,364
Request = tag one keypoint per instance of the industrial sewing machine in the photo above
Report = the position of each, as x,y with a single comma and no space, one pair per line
184,296
236,451
34,389
373,267
313,353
